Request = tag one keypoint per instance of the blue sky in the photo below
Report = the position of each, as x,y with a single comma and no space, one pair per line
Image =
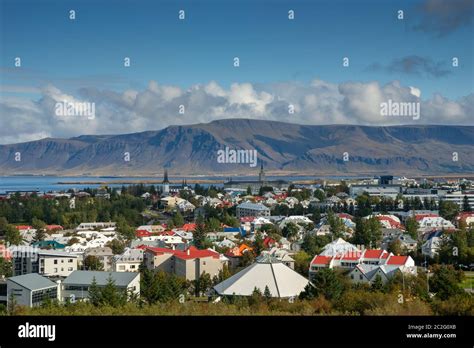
88,53
201,48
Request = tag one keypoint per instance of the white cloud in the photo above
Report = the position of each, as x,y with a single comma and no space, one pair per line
157,106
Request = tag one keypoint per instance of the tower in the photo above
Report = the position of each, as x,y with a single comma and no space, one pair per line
166,183
261,175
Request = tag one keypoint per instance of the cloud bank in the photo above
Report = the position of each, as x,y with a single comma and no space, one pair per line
159,106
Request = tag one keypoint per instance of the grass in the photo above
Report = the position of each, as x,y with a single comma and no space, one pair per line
468,280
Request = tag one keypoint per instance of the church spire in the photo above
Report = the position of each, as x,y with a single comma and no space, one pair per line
165,178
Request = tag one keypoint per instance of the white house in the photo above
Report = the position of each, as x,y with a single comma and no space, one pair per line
129,261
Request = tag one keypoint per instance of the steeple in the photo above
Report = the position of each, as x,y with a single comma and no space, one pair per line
261,175
165,179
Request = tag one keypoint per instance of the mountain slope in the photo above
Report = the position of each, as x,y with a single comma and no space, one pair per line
283,147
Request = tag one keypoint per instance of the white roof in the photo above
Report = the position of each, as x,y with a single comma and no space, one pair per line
339,246
281,280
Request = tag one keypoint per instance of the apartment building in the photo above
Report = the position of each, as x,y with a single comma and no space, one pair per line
252,209
189,263
49,263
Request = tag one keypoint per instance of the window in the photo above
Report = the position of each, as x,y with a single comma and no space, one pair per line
132,266
55,262
360,277
55,270
352,276
69,269
70,261
62,261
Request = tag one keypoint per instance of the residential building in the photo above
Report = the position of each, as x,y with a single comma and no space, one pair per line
91,226
78,283
252,209
50,263
104,254
31,290
129,261
189,263
373,257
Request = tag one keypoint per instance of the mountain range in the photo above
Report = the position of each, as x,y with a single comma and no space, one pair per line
283,148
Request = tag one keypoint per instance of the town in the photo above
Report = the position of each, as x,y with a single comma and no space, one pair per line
383,245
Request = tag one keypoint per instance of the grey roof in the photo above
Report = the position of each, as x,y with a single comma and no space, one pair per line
33,281
86,277
254,206
280,279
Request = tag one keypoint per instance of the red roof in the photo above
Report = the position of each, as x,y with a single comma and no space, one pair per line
465,214
321,260
191,253
189,227
24,227
419,217
142,233
375,254
393,223
268,241
247,219
397,260
54,227
345,216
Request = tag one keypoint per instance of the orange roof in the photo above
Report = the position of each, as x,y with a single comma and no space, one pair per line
238,251
397,260
189,227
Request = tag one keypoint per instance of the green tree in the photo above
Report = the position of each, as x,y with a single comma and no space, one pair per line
12,235
258,245
112,296
199,235
445,281
6,269
178,219
465,204
93,263
302,260
249,191
395,247
267,294
247,258
325,282
290,231
448,210
117,246
377,285
412,226
368,232
94,293
202,284
336,225
125,230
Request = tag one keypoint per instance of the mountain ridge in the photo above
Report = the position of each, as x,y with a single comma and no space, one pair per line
282,147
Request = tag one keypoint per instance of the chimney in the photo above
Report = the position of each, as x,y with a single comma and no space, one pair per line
174,248
188,252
